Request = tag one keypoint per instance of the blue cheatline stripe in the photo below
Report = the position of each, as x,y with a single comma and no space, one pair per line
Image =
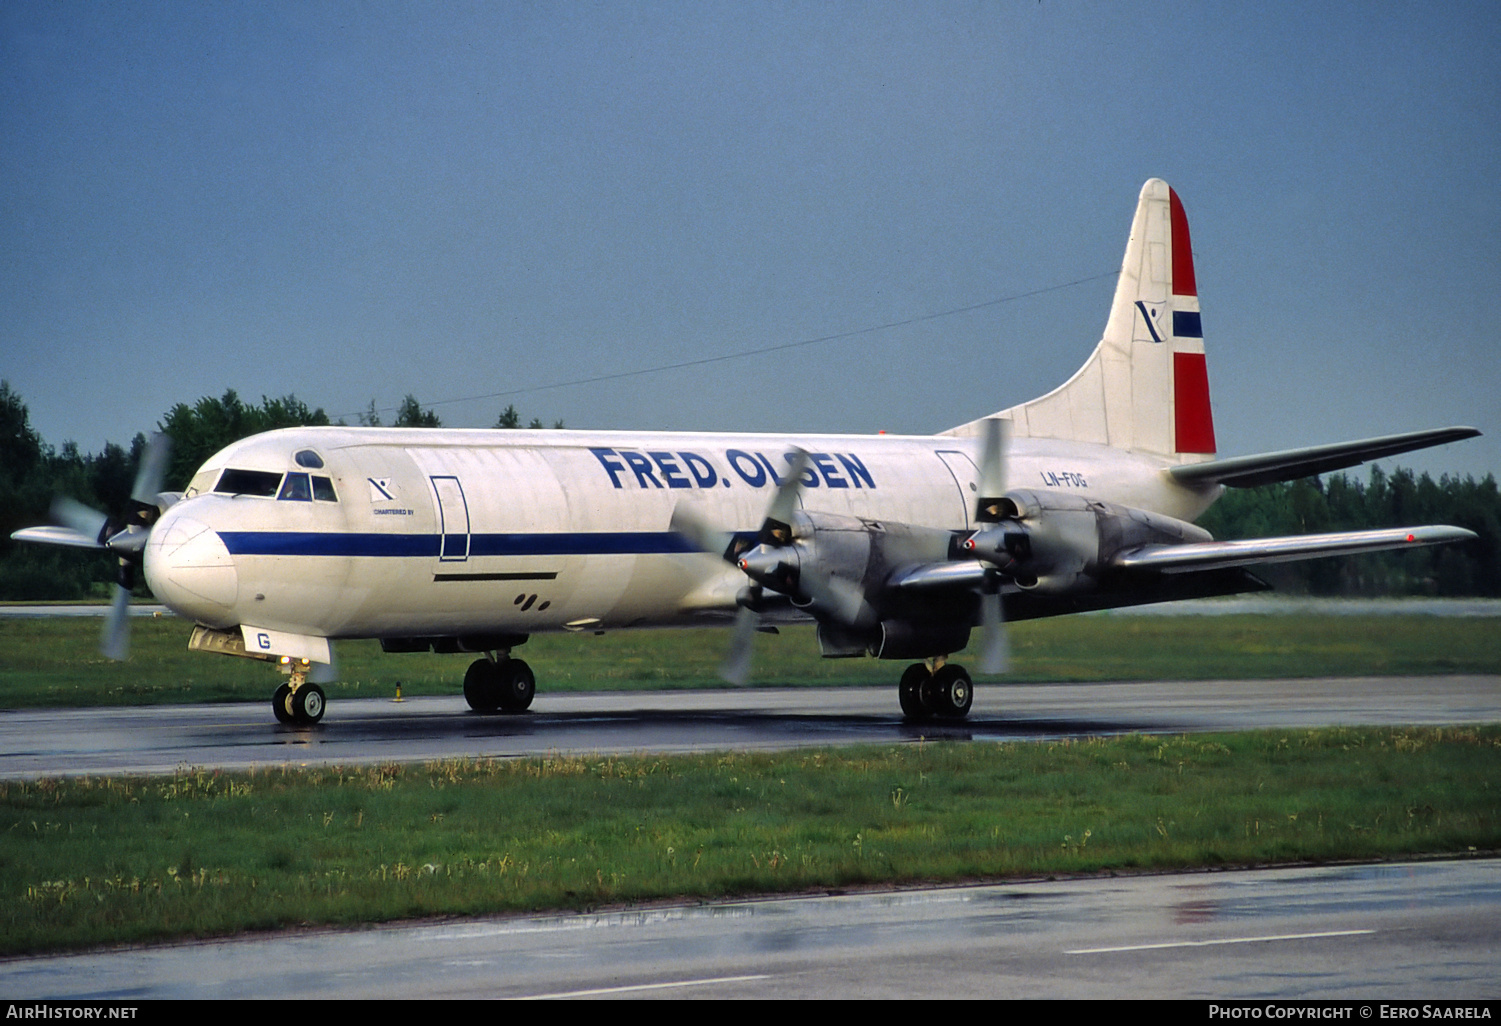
309,543
296,543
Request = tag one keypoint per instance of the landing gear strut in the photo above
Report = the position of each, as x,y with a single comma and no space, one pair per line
935,688
298,701
499,684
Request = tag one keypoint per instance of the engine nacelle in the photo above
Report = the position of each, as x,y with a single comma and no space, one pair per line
835,566
900,639
1056,542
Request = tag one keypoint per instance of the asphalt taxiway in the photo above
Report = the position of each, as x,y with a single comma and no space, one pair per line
158,739
1410,931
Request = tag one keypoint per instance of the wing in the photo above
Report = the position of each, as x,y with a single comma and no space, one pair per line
1213,555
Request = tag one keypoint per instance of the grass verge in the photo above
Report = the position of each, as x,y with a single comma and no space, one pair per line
56,662
109,860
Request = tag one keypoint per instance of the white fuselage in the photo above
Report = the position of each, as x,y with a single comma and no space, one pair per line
440,532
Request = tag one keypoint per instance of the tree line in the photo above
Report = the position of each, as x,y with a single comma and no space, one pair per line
32,472
1345,502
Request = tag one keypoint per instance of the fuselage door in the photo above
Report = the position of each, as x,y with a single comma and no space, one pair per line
966,478
453,519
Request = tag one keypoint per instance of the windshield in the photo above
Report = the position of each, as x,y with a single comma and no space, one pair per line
295,487
248,482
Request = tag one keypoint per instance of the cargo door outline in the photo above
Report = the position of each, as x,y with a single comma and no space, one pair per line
453,519
964,472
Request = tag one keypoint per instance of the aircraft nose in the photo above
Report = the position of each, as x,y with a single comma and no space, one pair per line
189,568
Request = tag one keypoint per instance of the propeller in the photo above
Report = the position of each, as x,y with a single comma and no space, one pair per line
773,562
990,544
325,673
706,538
81,526
88,525
129,542
775,532
736,665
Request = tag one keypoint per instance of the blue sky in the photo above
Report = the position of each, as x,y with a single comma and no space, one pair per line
354,202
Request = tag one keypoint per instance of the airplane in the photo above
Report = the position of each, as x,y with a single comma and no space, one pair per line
897,547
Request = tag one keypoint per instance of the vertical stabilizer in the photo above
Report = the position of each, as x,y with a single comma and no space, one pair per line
1146,386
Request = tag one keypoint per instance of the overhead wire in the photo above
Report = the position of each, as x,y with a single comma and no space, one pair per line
761,351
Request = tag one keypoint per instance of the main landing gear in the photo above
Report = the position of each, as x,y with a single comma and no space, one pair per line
499,683
298,701
935,688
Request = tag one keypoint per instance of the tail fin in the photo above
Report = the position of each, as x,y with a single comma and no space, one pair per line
1146,386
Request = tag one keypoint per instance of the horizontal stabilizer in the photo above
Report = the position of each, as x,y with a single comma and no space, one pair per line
1177,559
1291,464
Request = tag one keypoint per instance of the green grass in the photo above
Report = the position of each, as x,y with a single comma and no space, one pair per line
55,662
93,860
90,861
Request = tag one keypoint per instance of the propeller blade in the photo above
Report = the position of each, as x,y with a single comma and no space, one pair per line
56,536
737,661
784,503
702,535
775,533
153,469
839,599
995,654
83,519
993,445
115,641
325,673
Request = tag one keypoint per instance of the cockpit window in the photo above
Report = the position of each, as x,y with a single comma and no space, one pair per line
308,458
248,482
296,488
293,487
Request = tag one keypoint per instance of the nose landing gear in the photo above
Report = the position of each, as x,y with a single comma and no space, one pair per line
298,701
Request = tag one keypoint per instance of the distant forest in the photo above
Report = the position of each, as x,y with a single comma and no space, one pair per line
32,472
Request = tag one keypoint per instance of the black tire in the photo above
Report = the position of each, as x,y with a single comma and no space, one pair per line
309,703
482,686
953,692
516,686
912,692
280,704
